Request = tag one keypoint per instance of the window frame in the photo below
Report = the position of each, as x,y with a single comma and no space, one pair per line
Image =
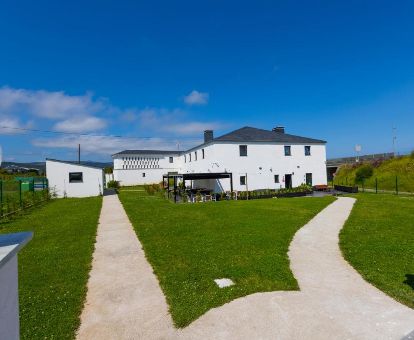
308,147
287,147
276,179
76,180
243,153
243,180
171,159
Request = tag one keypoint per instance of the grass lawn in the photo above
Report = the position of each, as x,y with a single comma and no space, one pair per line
54,266
190,245
378,240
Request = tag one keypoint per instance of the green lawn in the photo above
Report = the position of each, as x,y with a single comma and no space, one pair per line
54,266
190,245
378,241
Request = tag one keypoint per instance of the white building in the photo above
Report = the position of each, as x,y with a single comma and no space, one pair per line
71,179
256,159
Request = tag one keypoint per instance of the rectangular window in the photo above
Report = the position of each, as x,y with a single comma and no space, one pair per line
288,150
276,178
242,180
171,160
143,174
185,159
202,153
309,179
307,150
243,150
190,157
195,155
75,177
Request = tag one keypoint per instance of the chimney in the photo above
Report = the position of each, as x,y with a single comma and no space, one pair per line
279,129
208,136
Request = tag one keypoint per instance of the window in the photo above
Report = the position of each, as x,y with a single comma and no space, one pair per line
242,180
276,178
75,177
307,150
171,159
185,159
309,179
190,157
288,150
202,153
143,174
195,155
243,150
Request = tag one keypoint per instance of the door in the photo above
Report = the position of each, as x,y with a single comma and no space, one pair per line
309,179
288,181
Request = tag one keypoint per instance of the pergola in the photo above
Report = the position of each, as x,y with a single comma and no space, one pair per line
195,176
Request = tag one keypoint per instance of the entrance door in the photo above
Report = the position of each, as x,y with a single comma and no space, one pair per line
288,181
309,179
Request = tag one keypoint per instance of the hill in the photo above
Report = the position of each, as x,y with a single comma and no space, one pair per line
385,172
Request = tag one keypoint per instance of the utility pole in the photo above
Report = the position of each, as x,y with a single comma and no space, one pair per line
79,153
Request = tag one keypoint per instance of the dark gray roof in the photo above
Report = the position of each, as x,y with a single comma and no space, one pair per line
250,134
86,164
148,152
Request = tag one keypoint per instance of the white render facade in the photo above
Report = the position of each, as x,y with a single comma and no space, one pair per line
69,179
257,159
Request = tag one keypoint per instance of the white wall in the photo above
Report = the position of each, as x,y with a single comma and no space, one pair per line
263,161
130,169
57,174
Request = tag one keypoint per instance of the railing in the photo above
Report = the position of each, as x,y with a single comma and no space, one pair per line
19,194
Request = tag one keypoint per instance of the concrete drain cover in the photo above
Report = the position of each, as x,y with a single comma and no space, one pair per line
222,283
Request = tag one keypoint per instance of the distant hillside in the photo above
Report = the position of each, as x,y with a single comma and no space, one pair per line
42,165
384,171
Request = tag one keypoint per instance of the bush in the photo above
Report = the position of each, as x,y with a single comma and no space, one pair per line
113,184
365,171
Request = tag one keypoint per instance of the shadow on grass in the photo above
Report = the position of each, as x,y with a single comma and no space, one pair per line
409,280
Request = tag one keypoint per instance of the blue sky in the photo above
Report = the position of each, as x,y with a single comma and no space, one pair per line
339,71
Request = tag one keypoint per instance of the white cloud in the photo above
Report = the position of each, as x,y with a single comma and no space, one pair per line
103,145
80,124
12,126
51,105
196,98
192,128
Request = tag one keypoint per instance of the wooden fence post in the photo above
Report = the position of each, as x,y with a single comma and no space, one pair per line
376,185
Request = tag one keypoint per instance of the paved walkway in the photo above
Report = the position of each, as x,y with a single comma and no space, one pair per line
125,302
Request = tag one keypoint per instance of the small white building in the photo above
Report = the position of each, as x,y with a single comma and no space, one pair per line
72,179
255,158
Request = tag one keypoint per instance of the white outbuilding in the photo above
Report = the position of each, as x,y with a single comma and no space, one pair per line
72,179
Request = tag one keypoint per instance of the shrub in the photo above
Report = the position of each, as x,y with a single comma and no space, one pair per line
113,184
365,171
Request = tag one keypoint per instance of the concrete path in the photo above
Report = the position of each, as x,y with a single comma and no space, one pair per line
334,302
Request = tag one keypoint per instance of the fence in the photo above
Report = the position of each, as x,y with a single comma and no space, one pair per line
21,193
389,184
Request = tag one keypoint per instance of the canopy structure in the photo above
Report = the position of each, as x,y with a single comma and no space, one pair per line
193,177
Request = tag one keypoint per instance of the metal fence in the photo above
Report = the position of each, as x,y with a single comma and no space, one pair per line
389,184
22,193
